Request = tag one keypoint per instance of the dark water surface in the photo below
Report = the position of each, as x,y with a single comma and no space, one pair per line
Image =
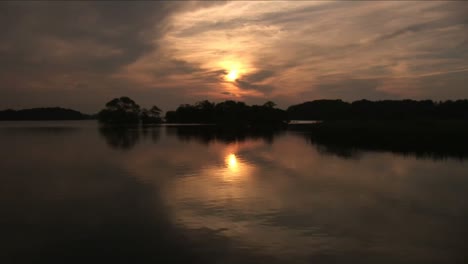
72,192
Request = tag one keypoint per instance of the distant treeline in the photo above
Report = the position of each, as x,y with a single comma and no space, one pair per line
228,112
384,110
124,110
49,113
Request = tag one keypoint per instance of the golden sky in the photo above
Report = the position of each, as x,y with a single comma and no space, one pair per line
82,54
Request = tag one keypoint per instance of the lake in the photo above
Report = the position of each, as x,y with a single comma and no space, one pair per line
72,192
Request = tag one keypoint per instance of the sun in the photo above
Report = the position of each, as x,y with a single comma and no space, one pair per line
232,75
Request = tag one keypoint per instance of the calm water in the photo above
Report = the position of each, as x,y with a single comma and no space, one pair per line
71,192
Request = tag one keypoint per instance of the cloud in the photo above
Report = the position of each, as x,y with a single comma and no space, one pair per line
349,88
245,85
101,36
48,47
260,76
83,54
306,42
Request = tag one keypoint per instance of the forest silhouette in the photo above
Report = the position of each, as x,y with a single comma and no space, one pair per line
422,128
235,113
45,113
379,110
124,110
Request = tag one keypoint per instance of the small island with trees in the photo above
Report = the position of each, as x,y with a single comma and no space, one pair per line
124,110
43,113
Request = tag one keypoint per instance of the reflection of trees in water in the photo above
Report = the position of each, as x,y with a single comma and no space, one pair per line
341,142
126,137
351,148
207,134
350,144
151,132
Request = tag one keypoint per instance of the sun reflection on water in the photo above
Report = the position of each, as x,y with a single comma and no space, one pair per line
231,162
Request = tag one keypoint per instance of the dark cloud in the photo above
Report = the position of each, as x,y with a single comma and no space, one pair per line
253,82
170,67
66,36
212,76
259,76
246,85
73,48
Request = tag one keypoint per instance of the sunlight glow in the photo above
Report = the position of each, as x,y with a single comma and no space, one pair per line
231,162
234,69
232,75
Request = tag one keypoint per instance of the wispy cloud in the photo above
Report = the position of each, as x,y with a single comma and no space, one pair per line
165,52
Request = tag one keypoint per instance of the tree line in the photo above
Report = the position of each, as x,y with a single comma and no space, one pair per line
233,112
124,110
46,113
379,110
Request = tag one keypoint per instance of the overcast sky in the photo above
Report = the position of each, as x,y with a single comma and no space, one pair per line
82,54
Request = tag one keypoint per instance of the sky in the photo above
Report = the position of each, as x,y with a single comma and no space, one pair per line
81,55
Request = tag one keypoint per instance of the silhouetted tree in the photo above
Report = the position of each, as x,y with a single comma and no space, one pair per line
319,110
231,113
205,111
269,104
151,116
228,113
121,110
171,117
